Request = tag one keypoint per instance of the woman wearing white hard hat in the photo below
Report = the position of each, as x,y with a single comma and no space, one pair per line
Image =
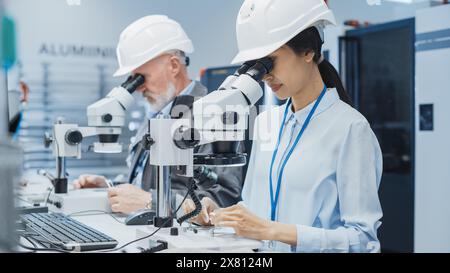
315,189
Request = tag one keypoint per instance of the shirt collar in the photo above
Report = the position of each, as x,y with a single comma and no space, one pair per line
186,91
330,98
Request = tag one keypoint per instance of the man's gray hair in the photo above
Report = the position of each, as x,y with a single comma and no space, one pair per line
181,56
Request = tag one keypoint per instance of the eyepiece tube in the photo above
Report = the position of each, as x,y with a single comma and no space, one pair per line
228,82
133,82
260,69
244,68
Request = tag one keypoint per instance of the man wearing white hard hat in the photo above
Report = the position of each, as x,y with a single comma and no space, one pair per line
316,188
156,47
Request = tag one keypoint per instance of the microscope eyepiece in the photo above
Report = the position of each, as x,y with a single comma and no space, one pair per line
133,82
261,68
245,67
228,83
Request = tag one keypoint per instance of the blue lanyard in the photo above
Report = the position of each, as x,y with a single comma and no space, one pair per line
274,201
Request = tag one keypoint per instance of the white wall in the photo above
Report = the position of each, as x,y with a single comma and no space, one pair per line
209,23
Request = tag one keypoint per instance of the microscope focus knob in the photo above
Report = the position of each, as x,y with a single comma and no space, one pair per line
107,118
74,137
48,140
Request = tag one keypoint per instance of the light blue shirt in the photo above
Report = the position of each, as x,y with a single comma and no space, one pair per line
330,184
165,112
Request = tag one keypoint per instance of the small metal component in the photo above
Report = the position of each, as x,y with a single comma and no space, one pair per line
174,231
147,142
48,139
46,174
159,245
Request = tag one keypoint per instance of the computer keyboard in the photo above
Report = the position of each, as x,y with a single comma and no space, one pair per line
65,232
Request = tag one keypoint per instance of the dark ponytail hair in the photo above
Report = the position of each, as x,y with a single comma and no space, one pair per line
309,40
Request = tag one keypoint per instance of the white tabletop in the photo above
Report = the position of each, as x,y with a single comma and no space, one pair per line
113,225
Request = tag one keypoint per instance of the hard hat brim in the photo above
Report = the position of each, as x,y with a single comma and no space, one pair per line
186,46
123,71
261,52
255,54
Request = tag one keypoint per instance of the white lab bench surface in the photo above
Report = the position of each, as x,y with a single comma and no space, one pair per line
112,225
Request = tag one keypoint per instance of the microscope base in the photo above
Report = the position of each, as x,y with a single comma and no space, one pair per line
79,200
203,240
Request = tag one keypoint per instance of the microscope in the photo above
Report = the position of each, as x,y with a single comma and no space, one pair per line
106,118
220,118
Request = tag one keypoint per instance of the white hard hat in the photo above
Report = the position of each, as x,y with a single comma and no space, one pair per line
263,26
148,38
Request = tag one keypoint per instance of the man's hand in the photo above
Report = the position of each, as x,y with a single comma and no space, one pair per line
90,181
127,198
208,206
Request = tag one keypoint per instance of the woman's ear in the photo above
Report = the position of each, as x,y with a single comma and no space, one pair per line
309,56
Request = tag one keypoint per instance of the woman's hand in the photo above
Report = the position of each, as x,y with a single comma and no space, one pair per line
245,223
208,206
248,225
